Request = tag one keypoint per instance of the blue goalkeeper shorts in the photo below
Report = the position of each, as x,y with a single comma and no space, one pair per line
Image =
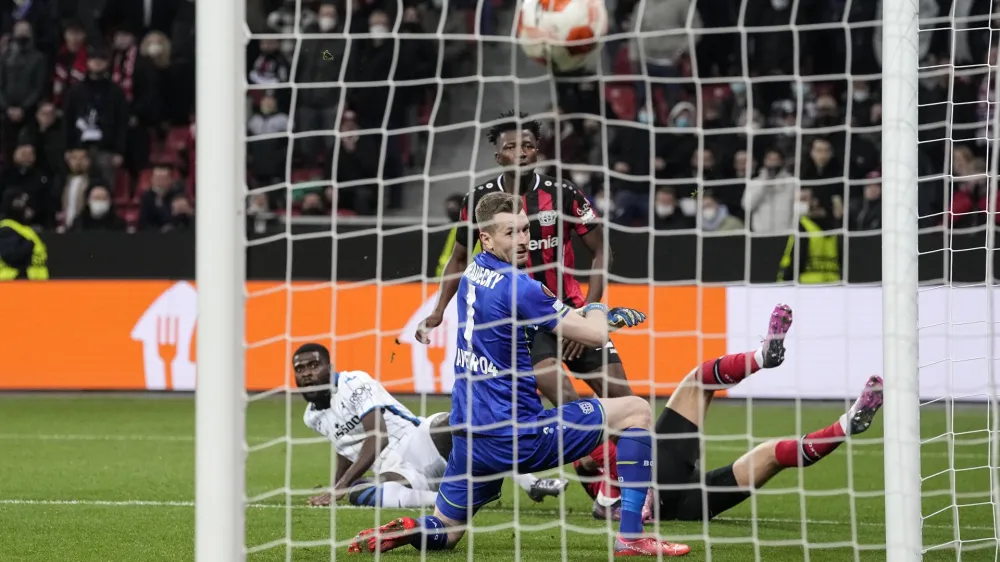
470,479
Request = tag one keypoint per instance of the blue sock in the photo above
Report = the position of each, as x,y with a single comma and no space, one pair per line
635,468
366,497
434,536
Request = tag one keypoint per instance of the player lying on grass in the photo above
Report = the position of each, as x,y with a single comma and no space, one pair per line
499,422
557,211
687,494
371,430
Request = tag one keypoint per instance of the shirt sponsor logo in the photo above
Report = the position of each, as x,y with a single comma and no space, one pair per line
544,243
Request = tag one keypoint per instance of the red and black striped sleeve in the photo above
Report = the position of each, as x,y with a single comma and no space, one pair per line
467,223
581,214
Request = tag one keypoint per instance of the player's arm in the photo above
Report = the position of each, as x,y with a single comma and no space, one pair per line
594,240
376,440
343,463
588,325
450,276
536,304
592,233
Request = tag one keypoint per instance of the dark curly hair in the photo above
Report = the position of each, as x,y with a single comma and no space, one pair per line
510,123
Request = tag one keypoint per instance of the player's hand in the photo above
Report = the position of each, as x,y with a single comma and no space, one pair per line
423,334
324,499
572,350
621,317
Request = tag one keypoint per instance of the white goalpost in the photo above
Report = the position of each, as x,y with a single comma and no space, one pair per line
925,482
220,263
900,66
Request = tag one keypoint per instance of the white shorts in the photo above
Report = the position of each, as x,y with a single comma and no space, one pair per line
416,458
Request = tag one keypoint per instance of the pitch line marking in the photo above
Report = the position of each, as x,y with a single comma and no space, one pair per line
190,504
190,439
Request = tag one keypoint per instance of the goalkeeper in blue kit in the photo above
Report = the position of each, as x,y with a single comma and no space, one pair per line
497,417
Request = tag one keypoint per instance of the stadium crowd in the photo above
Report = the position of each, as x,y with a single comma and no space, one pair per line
97,103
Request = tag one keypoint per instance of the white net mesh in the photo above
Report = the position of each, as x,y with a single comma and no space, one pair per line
705,131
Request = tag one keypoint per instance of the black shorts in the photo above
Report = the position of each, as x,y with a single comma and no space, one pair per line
682,494
546,346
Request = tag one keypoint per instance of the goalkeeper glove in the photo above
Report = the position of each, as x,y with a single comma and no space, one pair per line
621,317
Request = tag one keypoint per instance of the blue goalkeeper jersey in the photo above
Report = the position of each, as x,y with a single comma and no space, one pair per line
499,309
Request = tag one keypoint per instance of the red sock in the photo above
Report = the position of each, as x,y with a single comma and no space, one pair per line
604,455
811,448
729,370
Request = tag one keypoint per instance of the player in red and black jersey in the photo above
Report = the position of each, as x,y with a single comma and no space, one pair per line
557,209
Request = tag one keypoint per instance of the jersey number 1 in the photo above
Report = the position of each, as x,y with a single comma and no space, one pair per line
470,323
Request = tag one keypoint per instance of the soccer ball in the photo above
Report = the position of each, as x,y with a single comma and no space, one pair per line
563,31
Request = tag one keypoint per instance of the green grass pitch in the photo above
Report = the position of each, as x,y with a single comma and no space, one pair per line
111,478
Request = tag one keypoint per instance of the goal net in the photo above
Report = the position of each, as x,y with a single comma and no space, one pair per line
734,154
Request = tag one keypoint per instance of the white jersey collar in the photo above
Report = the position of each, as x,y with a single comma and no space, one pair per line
538,181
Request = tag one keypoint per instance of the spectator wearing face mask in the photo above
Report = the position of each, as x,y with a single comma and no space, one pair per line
819,253
667,215
23,255
99,213
23,73
321,60
96,115
769,200
371,60
676,147
715,216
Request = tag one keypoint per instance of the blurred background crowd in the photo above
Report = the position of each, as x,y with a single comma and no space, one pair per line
716,130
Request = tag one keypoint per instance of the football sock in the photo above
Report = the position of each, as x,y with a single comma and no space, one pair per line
587,480
604,456
525,481
434,535
811,448
635,451
394,494
729,370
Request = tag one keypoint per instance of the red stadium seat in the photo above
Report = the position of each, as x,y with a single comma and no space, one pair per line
300,175
131,215
622,64
179,138
621,97
122,189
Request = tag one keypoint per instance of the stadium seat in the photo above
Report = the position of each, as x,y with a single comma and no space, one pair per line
621,98
122,188
622,64
300,175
